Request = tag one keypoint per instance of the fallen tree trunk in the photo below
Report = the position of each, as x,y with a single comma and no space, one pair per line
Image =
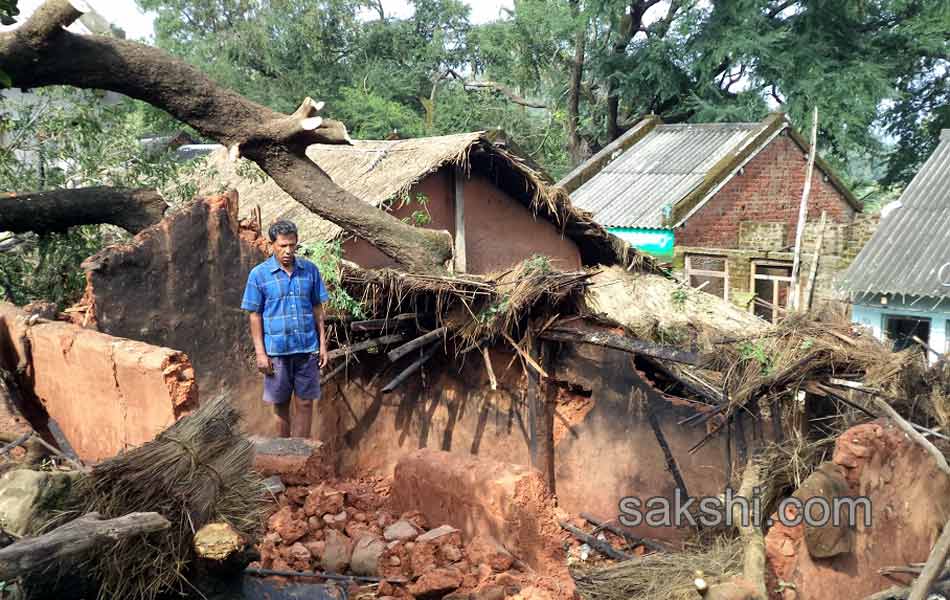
58,210
42,53
73,539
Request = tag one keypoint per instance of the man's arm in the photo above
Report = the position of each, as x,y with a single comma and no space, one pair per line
264,364
319,297
321,331
253,302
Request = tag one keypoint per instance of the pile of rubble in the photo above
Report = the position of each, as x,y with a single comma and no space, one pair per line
347,526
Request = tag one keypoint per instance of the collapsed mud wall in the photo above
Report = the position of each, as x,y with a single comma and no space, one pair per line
605,449
179,284
909,499
106,393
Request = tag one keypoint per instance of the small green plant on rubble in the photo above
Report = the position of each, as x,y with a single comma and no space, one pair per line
755,351
538,264
327,256
678,297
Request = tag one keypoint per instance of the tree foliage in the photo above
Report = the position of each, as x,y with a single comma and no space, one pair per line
68,138
876,69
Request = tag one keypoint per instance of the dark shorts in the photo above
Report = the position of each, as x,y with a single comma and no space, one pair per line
293,373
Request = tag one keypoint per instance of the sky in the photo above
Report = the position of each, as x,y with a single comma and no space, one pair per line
138,26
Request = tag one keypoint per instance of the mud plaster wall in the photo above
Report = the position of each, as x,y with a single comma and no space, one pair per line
499,230
605,448
106,393
179,284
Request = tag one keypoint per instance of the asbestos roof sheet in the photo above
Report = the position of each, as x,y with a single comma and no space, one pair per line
910,251
659,170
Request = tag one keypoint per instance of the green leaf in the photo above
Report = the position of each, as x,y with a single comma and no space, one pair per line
5,80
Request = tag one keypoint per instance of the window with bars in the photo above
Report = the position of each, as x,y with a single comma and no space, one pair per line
709,273
771,282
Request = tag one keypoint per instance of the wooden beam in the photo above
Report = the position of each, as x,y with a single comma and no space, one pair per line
599,545
619,342
412,368
459,197
419,342
373,343
667,453
632,539
76,538
381,324
795,292
813,271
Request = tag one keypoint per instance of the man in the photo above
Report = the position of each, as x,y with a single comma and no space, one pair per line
284,296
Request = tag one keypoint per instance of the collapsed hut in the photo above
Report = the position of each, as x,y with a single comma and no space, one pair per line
587,384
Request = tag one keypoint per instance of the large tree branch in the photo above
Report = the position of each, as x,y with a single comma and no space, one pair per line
42,53
74,539
58,210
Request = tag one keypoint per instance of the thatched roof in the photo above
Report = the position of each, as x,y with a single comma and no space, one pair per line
379,171
659,308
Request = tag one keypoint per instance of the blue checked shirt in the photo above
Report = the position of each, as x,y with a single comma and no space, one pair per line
286,305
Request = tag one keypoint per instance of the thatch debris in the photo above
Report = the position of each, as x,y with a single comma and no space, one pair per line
663,576
196,472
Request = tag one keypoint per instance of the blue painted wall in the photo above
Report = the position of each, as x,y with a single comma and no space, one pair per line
871,313
656,242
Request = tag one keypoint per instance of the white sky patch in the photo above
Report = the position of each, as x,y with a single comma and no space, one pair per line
138,26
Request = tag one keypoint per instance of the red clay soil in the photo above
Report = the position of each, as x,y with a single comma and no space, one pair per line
312,525
322,524
910,502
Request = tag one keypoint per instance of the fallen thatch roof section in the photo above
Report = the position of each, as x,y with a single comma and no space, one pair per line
659,308
379,172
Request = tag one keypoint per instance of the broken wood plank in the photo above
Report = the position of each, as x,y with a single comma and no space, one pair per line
381,324
619,342
412,368
667,453
632,539
365,345
492,381
419,342
601,546
336,370
73,539
920,589
526,356
17,442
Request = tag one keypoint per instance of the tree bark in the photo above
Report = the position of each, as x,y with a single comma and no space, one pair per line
73,539
58,210
42,53
575,143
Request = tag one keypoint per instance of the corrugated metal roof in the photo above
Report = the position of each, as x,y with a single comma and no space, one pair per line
659,170
912,243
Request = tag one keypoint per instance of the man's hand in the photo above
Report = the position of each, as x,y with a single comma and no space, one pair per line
264,364
324,359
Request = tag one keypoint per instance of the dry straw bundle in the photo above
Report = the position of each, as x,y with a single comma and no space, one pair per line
664,576
198,471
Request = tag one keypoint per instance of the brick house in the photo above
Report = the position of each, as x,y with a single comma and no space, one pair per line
720,202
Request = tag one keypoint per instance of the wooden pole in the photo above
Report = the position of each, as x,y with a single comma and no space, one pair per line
459,259
813,272
73,539
803,211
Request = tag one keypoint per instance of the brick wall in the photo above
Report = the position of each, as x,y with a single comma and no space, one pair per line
767,191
